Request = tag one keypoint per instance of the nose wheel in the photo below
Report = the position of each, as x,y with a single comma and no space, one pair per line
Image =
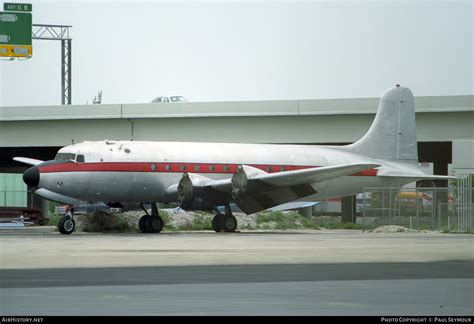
67,224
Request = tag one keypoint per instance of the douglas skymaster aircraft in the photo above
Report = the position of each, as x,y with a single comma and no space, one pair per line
202,176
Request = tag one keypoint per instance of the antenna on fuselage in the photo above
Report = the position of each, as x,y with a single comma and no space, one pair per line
72,141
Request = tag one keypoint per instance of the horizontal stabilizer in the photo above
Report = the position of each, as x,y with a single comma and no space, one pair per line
28,161
294,205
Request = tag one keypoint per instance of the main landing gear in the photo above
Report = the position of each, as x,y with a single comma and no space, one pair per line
66,224
224,223
150,223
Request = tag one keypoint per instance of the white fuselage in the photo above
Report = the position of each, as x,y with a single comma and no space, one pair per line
129,171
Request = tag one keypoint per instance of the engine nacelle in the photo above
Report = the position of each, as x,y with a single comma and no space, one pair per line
192,197
239,182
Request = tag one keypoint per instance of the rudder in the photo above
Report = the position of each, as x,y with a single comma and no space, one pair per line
392,134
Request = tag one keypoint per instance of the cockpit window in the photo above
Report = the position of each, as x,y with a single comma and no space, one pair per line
80,158
65,157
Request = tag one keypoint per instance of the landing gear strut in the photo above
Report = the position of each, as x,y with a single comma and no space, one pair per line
150,223
225,223
66,224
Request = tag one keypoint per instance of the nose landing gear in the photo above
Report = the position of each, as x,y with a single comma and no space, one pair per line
66,224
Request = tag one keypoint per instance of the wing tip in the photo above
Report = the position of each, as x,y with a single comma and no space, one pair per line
26,160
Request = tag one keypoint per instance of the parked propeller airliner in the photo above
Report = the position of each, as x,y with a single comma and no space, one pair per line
202,176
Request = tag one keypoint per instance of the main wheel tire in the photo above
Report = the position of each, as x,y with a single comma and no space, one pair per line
66,225
141,223
153,224
229,223
217,222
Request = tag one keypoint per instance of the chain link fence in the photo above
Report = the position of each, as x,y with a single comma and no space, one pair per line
435,208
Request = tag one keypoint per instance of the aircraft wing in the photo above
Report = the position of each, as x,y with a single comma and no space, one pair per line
420,177
27,160
254,190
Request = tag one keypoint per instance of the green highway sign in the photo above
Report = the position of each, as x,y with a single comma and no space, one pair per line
15,34
15,28
18,7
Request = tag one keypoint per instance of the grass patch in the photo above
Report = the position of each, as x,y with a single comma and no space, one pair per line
446,231
246,227
344,226
103,222
123,227
54,219
423,227
202,221
166,217
283,221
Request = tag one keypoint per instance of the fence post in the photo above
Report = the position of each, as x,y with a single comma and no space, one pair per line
439,211
435,210
449,221
363,211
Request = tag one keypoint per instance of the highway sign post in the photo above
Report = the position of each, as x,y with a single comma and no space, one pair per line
16,30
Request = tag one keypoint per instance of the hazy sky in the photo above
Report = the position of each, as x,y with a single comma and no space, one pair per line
212,51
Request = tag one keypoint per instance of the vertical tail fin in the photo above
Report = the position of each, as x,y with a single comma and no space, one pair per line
393,132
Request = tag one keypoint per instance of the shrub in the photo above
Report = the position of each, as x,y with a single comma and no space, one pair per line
283,220
54,219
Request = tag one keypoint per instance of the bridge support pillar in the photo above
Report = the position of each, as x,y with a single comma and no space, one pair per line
348,209
45,207
306,211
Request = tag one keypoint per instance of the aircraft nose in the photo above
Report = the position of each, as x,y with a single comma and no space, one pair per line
31,176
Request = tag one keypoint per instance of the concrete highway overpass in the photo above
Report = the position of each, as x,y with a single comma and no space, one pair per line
39,131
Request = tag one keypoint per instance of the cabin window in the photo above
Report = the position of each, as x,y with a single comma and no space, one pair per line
80,158
183,167
197,167
269,169
168,167
211,168
226,168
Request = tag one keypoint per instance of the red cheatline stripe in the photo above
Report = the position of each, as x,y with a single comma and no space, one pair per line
173,167
366,173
